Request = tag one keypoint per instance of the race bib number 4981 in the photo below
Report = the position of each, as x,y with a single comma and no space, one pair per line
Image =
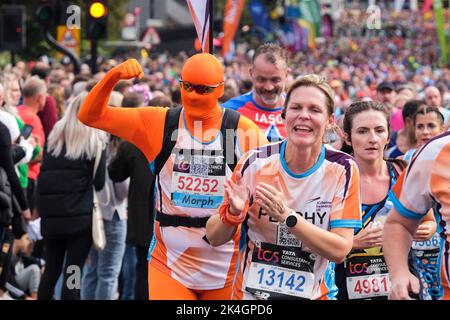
370,286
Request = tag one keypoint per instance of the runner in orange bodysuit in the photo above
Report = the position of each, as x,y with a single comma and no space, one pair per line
190,181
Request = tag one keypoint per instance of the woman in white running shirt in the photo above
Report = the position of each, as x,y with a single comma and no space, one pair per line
297,202
428,123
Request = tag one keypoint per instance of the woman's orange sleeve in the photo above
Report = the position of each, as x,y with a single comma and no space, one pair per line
144,127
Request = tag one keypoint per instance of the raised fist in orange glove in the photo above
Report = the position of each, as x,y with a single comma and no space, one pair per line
128,70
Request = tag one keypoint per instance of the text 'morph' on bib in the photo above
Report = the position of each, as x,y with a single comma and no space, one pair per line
198,178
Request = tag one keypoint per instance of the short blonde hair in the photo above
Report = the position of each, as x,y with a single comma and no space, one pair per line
316,81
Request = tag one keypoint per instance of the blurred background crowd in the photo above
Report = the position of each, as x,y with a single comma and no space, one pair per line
395,64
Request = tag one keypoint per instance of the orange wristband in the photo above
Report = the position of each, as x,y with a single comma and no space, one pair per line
232,219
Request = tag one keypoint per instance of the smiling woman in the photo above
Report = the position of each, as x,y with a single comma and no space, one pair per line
308,113
298,202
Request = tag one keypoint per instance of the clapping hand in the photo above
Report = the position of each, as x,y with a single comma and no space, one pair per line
237,194
271,200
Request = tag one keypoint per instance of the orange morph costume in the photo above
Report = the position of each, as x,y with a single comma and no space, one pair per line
189,186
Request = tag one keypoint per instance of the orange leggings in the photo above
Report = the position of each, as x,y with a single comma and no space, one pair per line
163,287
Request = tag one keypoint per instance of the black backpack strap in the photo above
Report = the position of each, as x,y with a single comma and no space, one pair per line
166,220
169,138
228,128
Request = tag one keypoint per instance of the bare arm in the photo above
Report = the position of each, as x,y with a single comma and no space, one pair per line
218,230
397,239
333,245
427,227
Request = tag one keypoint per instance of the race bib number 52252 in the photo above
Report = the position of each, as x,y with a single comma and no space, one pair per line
197,181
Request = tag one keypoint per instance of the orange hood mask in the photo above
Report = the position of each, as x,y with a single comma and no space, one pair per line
202,69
